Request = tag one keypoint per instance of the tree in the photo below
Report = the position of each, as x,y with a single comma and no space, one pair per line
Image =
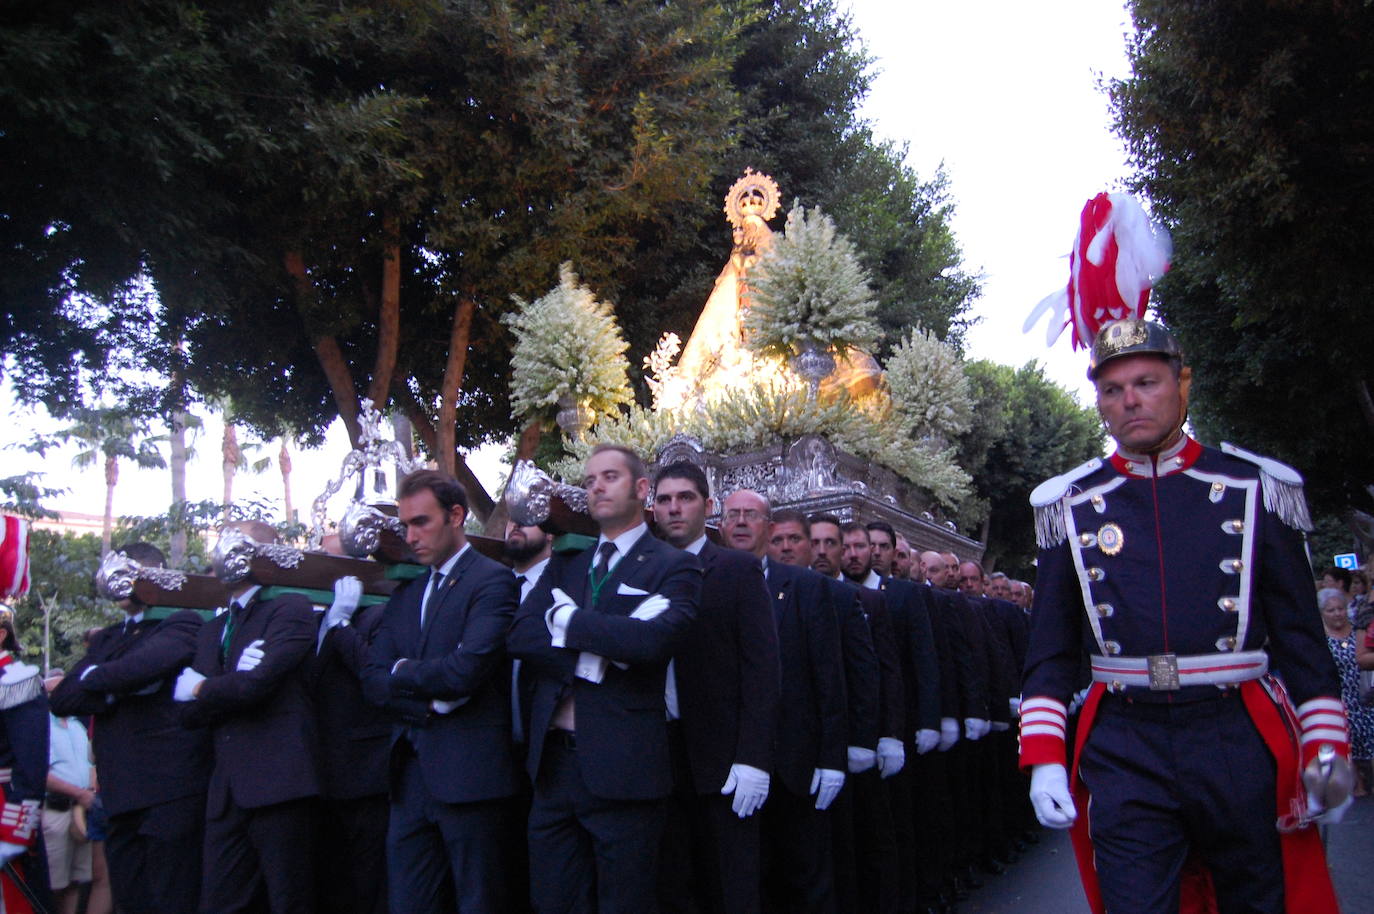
1027,430
106,436
1250,127
62,568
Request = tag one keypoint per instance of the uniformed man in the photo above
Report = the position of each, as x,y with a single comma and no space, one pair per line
23,775
1181,570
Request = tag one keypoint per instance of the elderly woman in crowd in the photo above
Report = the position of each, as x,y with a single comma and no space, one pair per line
1343,641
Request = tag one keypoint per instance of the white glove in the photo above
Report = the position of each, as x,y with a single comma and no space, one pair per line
891,756
1014,705
1049,794
927,740
861,759
1077,701
9,851
250,658
949,733
650,608
825,786
348,590
750,787
974,728
558,616
1333,815
999,726
447,707
186,684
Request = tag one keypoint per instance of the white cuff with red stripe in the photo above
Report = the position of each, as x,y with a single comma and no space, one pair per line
1323,722
18,821
1043,729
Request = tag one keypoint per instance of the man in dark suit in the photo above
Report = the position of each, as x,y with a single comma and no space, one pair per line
153,771
438,663
247,684
798,863
595,637
354,750
722,702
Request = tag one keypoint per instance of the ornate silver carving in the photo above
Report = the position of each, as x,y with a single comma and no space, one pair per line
118,573
529,491
360,530
367,460
573,418
232,557
814,364
682,448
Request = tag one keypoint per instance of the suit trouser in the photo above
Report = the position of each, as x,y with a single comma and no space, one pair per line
865,839
798,868
710,860
932,826
590,854
1171,782
903,828
352,855
443,857
267,849
154,857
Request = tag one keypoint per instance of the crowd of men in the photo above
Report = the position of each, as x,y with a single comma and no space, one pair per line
792,714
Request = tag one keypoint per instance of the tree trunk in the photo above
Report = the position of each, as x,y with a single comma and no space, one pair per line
284,464
231,455
107,528
447,427
177,439
332,361
388,317
479,500
495,525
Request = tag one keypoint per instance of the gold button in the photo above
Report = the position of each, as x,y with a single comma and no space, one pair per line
1117,686
1104,609
1228,604
1237,526
1218,487
1096,574
1237,565
1097,499
1085,538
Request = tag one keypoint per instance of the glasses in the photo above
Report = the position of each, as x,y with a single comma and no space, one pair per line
748,515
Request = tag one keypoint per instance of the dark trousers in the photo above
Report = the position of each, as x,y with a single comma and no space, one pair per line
933,829
798,865
255,853
590,855
154,857
899,803
866,861
1173,782
444,856
352,855
709,862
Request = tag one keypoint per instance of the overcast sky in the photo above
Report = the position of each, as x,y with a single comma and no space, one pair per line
1004,94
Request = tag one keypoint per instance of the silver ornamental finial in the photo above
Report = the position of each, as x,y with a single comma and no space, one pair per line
529,491
232,557
118,573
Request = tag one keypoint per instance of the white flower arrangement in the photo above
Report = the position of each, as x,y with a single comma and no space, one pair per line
567,345
930,392
809,289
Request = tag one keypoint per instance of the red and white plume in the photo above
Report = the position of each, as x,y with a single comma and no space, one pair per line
1116,259
14,557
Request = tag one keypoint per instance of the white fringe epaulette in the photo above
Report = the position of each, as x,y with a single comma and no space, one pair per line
1048,502
15,690
1282,487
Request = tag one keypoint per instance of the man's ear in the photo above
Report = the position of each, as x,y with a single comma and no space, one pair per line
642,488
458,515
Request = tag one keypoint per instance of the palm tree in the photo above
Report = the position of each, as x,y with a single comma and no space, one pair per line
109,435
233,455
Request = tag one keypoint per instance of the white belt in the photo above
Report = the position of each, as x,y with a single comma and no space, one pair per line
5,775
1170,672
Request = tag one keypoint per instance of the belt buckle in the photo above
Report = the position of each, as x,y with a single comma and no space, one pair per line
1163,672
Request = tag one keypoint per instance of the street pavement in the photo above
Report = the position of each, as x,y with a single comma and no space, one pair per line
1045,879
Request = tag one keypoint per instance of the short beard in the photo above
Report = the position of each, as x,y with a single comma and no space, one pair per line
526,552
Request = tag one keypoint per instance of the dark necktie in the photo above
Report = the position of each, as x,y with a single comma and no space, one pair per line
436,580
228,634
601,569
520,580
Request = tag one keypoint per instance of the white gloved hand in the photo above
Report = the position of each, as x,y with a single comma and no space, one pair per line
447,707
348,590
250,658
861,759
825,786
1014,705
974,728
1049,794
186,684
750,787
1077,701
891,756
558,616
9,850
1000,726
949,733
927,740
650,608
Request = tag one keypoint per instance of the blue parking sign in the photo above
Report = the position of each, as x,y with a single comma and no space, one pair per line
1347,560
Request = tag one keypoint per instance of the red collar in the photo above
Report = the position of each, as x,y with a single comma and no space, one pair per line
1144,466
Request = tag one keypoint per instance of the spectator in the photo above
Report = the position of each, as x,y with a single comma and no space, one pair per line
1341,640
1360,608
71,786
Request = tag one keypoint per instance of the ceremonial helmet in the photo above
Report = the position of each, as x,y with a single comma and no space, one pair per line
1131,336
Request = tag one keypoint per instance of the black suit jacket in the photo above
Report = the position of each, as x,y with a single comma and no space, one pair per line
355,735
261,721
969,641
862,676
812,716
1004,675
146,756
465,755
728,676
622,733
916,647
891,716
